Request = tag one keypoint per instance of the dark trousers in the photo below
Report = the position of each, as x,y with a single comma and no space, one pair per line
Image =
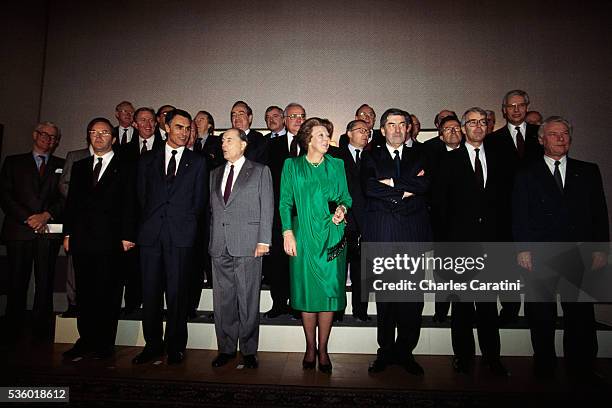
165,268
42,252
354,269
200,266
406,317
463,317
276,271
579,333
98,288
128,262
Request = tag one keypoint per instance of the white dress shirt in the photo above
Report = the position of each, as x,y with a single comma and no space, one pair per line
177,157
237,167
106,158
512,129
550,162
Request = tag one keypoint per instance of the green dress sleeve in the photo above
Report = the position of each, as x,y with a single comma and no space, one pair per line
286,197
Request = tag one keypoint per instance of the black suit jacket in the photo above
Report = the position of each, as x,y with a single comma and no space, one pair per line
117,136
377,139
23,192
180,204
356,214
94,221
131,151
461,209
388,216
501,140
257,148
541,213
211,151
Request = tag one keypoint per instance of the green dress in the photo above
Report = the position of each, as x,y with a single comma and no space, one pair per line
317,284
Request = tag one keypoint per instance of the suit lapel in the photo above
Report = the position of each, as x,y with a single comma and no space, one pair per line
184,166
242,178
108,174
547,179
218,182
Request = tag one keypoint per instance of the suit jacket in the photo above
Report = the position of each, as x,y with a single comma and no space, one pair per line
501,140
356,215
211,151
71,158
118,136
94,221
179,204
461,209
388,216
246,219
257,148
542,213
377,139
24,192
278,152
131,151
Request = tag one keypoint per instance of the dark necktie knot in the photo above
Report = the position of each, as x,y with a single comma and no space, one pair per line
171,167
97,170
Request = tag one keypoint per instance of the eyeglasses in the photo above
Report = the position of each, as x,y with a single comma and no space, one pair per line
450,129
101,133
297,116
46,136
476,122
360,130
367,115
516,106
131,112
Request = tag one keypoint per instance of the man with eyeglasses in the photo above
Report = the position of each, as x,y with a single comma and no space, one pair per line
358,133
30,199
366,114
274,121
276,266
241,117
517,142
466,208
96,232
125,131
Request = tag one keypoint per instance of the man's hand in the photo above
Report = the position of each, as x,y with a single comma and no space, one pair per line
524,260
289,244
261,250
127,245
600,259
38,221
67,244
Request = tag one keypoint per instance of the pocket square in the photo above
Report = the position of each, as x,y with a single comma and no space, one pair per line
59,171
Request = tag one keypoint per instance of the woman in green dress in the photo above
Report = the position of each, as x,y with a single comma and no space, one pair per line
314,238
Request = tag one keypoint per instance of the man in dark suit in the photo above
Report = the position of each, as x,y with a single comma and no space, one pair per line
242,206
171,190
357,132
206,142
560,199
276,266
465,207
96,232
241,116
143,140
64,183
366,114
125,132
395,185
517,142
30,199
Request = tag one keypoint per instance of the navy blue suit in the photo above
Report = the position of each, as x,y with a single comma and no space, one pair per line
169,216
389,218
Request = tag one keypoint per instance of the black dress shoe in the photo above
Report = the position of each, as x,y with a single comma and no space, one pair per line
497,368
76,351
192,315
377,366
338,317
362,316
439,318
462,365
250,361
104,353
70,312
176,357
413,367
222,359
147,355
325,368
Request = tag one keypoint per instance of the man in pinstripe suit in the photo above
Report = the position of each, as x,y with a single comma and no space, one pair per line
242,205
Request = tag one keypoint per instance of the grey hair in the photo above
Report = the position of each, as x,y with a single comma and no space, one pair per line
51,124
555,119
293,105
515,92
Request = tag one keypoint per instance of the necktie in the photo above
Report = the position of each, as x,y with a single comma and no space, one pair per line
520,142
293,148
557,176
397,163
478,169
228,184
199,144
124,137
96,172
43,165
171,167
143,149
357,158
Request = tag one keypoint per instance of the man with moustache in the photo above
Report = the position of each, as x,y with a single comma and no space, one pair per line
242,117
172,192
395,184
276,266
30,199
241,201
466,208
274,121
96,231
125,132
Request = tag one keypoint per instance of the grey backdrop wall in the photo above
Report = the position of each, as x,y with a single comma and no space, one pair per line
331,56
